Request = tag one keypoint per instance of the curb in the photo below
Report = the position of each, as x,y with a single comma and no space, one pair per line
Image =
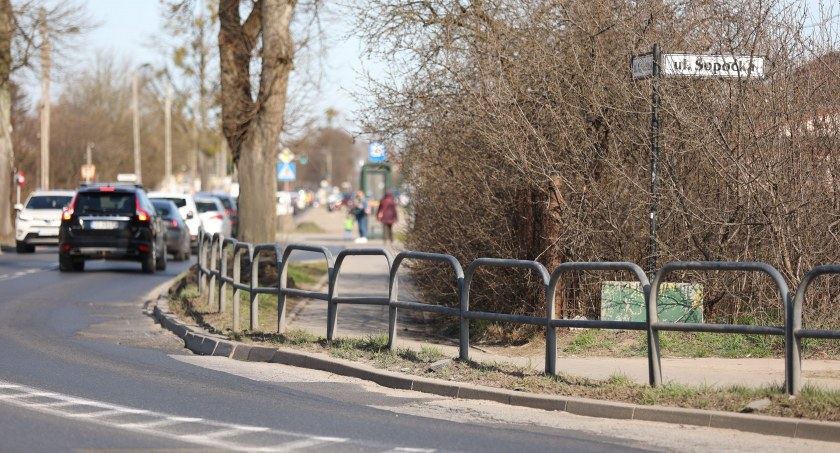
202,342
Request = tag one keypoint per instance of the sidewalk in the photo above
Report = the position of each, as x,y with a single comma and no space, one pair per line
368,275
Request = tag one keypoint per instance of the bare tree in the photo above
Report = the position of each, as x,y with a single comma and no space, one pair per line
252,120
524,136
19,26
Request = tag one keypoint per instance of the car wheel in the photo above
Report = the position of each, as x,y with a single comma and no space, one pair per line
149,262
22,247
65,264
78,265
160,262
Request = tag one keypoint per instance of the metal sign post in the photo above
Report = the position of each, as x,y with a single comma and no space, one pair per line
654,65
654,159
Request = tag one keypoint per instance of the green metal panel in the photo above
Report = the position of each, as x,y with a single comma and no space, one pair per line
676,302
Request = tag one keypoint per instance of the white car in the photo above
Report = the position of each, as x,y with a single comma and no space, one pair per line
37,220
213,216
187,208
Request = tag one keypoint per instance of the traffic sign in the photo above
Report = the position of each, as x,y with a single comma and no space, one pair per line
376,152
286,156
642,66
285,172
88,172
20,178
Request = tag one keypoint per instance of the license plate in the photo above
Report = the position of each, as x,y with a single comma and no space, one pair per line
103,225
48,232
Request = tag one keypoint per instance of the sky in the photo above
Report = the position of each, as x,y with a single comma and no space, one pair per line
127,29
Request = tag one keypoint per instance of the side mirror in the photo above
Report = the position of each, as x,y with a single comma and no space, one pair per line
190,215
18,207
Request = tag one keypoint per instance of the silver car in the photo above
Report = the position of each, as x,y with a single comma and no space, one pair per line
186,206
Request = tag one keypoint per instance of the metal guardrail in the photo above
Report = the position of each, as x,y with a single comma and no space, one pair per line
797,333
212,267
283,290
553,324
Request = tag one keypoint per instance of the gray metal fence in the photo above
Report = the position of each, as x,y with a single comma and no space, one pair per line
213,278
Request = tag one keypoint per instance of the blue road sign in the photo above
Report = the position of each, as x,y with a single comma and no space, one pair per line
376,152
285,172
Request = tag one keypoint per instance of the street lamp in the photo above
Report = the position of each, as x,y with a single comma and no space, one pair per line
135,108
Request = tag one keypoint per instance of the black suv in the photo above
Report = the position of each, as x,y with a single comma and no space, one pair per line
113,222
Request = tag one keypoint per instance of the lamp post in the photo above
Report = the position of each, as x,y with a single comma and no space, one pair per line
136,114
135,109
45,102
167,147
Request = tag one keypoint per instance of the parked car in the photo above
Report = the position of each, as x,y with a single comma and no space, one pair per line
186,206
213,216
111,221
37,220
177,233
231,209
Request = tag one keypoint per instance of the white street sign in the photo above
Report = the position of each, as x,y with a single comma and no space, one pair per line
286,156
642,66
717,66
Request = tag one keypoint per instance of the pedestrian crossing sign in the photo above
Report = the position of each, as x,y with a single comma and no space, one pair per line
285,171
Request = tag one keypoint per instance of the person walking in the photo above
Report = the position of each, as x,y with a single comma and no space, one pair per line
361,211
387,214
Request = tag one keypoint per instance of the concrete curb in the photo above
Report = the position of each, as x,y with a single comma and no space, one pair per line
198,340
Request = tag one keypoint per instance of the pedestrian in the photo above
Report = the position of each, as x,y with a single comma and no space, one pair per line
361,209
387,214
349,223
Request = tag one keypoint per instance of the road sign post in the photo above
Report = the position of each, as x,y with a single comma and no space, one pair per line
654,65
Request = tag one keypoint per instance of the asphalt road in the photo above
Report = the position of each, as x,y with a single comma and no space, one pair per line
83,367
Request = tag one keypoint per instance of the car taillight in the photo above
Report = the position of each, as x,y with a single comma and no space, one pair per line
174,223
67,214
218,217
142,215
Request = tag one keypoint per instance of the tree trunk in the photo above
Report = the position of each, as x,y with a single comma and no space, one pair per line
252,127
6,154
256,194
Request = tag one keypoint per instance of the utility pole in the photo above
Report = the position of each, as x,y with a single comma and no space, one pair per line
167,139
136,112
45,102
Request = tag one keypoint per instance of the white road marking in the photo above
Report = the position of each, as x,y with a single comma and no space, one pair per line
27,272
68,407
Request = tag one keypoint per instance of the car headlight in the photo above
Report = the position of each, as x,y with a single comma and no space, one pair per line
25,217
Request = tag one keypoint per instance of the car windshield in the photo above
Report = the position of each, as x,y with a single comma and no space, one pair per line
105,203
180,202
226,203
206,206
163,209
48,202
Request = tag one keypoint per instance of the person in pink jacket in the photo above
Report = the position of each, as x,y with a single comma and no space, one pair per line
387,214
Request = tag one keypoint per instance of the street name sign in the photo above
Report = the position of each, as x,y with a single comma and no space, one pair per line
712,66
